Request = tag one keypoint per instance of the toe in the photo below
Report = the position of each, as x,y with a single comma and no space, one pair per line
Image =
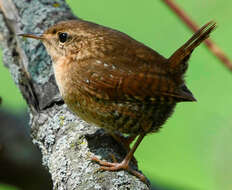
101,162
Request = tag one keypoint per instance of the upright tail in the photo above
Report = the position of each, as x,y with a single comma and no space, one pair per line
178,60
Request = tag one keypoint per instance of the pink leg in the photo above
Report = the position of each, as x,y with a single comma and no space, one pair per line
124,165
125,142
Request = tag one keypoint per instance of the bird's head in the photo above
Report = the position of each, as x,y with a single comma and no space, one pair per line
61,38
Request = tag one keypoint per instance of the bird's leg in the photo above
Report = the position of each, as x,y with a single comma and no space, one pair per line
125,142
124,165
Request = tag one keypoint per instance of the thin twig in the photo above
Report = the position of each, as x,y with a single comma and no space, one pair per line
191,24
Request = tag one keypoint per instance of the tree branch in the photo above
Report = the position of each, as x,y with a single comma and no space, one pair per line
66,142
193,26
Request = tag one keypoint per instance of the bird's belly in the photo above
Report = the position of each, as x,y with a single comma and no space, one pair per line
125,117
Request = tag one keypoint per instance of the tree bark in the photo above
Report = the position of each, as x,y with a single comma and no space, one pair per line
66,142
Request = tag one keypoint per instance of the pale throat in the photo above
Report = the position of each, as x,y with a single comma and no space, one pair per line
61,67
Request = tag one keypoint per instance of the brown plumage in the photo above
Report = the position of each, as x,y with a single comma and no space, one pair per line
109,79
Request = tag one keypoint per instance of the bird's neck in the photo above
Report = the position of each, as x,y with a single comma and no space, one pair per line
61,69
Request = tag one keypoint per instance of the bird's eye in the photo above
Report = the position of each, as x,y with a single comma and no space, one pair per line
63,37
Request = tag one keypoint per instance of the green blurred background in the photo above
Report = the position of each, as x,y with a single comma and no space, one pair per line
192,151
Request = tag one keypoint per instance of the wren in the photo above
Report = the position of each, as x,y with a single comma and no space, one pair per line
117,83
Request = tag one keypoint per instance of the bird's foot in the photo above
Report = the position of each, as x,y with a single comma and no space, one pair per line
115,166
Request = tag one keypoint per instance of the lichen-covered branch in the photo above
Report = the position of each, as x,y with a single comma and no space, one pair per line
66,142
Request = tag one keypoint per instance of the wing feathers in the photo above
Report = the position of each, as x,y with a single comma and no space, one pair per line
124,86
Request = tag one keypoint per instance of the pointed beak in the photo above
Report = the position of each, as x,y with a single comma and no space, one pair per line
35,36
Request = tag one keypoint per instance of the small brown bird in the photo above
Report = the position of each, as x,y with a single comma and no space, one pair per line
109,79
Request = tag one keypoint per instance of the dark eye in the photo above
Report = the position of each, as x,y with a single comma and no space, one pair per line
63,37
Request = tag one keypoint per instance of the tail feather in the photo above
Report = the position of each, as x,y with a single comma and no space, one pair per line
179,59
